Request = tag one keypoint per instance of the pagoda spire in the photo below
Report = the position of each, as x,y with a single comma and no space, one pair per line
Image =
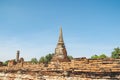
60,50
60,36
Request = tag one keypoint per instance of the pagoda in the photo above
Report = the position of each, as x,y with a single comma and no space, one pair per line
60,50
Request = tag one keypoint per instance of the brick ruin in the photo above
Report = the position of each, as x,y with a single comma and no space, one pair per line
60,50
81,67
60,65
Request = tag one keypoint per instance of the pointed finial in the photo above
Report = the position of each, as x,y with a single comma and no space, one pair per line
61,35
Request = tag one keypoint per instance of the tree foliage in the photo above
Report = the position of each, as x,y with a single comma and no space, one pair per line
102,56
46,59
5,63
42,60
70,57
34,61
94,56
116,53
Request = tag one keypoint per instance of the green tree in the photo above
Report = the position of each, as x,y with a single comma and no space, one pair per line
94,57
42,60
46,59
34,61
70,57
102,56
116,53
5,63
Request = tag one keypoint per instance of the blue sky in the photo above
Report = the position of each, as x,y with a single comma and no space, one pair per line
32,26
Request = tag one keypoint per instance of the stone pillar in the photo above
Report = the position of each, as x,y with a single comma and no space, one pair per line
17,56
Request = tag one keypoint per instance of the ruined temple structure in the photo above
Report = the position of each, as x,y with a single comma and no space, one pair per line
61,68
17,61
17,56
60,51
11,63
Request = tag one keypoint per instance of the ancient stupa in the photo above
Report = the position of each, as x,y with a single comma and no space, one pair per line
60,50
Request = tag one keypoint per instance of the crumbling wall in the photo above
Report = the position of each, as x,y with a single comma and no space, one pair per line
18,76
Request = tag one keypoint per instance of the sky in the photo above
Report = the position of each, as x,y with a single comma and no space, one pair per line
32,26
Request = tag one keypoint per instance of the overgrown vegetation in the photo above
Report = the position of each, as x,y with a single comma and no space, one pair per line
45,59
5,63
70,57
115,54
34,60
102,56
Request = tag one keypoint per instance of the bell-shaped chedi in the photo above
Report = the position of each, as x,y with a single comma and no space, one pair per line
60,50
